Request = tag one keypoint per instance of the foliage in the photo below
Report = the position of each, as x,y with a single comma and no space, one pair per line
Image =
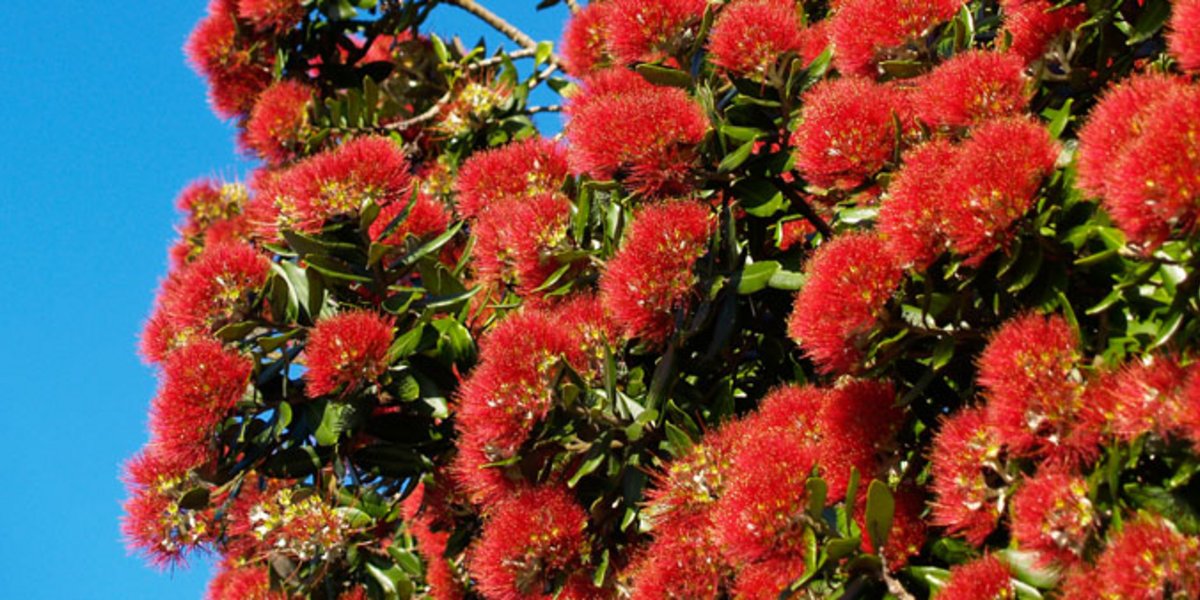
868,298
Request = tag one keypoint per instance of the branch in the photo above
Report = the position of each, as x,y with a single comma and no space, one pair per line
806,210
573,5
498,23
429,114
551,108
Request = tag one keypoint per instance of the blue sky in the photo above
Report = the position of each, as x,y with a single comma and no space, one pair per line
102,124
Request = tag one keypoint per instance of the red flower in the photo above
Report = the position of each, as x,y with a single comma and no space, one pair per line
520,170
1034,24
912,219
1155,184
1184,37
427,218
280,15
995,182
1147,396
973,87
965,451
847,132
1147,558
750,36
1189,423
908,532
237,69
234,582
583,41
516,242
647,135
338,182
347,349
650,30
206,202
278,120
531,539
153,523
769,579
850,280
982,578
682,563
1028,371
202,382
426,512
691,484
651,277
214,290
1116,121
867,32
758,517
1053,516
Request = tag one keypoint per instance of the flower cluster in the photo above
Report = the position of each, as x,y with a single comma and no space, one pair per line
751,35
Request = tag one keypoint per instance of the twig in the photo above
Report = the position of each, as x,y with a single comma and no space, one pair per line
549,108
429,114
498,23
804,207
573,5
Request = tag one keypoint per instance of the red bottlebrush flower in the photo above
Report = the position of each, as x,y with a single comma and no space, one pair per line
280,15
850,280
908,532
520,170
750,36
767,580
650,30
847,132
1189,423
277,123
237,70
1034,24
758,517
1113,124
530,540
516,242
648,135
615,81
205,202
651,277
1155,185
1053,516
854,425
393,227
867,32
216,288
338,182
1147,396
348,349
426,513
981,579
995,182
1147,558
973,87
1184,39
583,41
1033,392
281,518
153,523
965,451
234,582
911,219
682,563
202,382
690,485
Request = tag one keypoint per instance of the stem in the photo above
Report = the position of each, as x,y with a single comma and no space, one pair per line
573,5
429,114
549,108
497,22
805,209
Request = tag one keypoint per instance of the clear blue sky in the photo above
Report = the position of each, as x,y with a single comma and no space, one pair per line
102,123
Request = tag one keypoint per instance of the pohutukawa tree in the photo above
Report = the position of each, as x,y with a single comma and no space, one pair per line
845,298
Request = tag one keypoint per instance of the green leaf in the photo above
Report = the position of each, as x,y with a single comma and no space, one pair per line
543,52
194,499
294,462
1025,566
756,276
737,158
839,548
664,76
337,418
818,491
679,441
406,560
1171,505
881,508
786,280
588,467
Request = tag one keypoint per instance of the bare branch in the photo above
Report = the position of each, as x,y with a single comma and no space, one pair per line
498,23
573,5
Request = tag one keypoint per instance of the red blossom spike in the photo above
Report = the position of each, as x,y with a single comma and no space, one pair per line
215,289
584,45
277,123
911,219
517,171
249,582
619,127
1033,391
427,218
531,539
650,30
652,276
965,451
516,241
153,523
1034,24
1147,396
981,579
1184,37
851,279
1053,516
847,132
867,32
346,351
973,87
1147,558
769,579
202,382
750,36
682,563
279,15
